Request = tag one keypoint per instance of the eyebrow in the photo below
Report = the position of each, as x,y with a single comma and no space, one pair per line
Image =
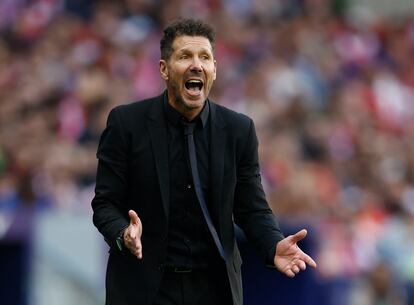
187,51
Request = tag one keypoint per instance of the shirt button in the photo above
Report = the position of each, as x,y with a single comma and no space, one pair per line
189,186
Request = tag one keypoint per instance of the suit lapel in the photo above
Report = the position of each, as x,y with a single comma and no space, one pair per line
217,150
158,134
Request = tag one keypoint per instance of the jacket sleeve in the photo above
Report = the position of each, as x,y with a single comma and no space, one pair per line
109,204
251,210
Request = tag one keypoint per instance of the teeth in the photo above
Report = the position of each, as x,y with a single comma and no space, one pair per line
194,84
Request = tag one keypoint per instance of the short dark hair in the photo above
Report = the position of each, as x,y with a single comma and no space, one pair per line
181,27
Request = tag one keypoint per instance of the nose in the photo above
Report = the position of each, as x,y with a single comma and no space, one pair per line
196,65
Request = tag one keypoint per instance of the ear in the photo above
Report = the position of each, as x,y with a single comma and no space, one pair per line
164,69
215,70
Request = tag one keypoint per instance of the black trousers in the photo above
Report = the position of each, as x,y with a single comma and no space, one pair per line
198,287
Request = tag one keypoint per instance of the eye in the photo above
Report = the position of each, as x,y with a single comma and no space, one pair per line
183,56
205,57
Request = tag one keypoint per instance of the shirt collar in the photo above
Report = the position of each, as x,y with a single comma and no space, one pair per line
174,117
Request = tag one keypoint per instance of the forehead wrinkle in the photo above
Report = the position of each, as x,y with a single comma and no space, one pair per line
201,46
190,49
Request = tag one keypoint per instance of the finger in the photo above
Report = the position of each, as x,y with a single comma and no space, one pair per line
295,269
309,260
130,233
137,253
130,244
135,246
127,234
302,265
133,216
299,235
139,249
289,273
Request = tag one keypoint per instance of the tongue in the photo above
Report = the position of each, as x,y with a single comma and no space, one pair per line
193,88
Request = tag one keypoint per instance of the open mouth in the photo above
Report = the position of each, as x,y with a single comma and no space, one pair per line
194,85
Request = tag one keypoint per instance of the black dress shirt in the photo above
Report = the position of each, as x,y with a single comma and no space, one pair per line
190,243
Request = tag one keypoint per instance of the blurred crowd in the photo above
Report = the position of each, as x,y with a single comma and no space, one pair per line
331,94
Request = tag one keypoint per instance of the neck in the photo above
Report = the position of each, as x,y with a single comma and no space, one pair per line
190,115
188,112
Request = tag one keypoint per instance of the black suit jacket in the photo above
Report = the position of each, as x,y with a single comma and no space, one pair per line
133,174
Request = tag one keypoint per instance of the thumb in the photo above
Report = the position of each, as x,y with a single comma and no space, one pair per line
133,216
299,236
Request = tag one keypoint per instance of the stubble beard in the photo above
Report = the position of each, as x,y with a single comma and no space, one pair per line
180,102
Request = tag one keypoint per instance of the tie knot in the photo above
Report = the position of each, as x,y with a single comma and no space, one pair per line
188,127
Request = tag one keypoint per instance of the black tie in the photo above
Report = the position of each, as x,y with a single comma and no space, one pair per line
188,132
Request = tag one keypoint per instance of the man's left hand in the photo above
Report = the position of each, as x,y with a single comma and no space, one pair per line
289,258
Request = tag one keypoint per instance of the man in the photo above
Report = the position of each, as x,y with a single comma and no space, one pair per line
175,173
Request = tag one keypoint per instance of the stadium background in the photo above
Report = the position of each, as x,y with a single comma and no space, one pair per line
330,85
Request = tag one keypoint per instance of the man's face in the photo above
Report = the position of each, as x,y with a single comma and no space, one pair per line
189,74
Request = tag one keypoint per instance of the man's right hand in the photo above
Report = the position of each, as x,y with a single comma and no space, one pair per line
132,235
